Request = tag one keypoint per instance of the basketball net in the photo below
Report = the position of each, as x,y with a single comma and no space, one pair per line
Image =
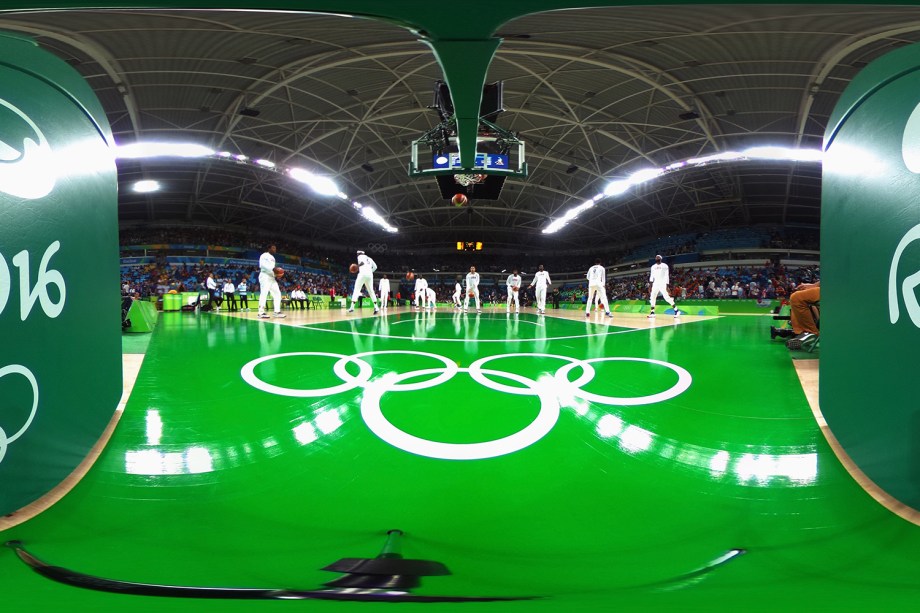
466,180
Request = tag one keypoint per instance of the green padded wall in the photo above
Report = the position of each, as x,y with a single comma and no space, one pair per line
870,322
143,316
58,255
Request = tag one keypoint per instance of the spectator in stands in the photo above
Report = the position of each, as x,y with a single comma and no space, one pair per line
299,298
803,298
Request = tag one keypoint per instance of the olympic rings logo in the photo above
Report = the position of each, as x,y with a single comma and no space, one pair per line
549,390
376,248
6,439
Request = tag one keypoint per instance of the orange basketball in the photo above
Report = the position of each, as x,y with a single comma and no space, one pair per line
410,275
279,272
472,294
353,268
459,200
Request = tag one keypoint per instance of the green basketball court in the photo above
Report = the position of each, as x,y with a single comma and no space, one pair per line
592,465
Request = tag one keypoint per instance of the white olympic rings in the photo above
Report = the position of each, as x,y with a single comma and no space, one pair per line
548,389
684,379
25,372
383,428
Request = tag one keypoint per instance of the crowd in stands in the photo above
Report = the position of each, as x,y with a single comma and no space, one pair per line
768,282
160,278
181,235
324,272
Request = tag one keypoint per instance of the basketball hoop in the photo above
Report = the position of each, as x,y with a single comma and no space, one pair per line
466,180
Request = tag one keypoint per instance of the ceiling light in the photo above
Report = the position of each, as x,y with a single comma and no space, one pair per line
321,185
151,150
145,187
646,174
784,153
621,186
615,188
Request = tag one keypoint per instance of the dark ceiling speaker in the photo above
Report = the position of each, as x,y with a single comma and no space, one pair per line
689,115
248,112
367,167
571,169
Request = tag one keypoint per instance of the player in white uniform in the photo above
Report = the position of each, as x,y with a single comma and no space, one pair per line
597,280
384,291
268,284
421,293
659,279
364,280
431,297
472,287
514,287
458,289
541,281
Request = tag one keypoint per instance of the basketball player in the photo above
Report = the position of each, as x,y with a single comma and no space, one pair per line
421,294
659,279
472,287
514,287
432,298
268,284
458,289
542,282
364,280
384,291
597,279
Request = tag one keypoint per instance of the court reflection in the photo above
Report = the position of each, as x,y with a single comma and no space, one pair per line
659,338
321,427
755,466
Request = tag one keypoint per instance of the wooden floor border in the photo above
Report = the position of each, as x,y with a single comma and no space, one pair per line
807,371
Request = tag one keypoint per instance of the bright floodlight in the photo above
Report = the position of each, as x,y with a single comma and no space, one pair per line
646,174
373,216
152,150
321,185
145,187
615,188
265,163
724,156
784,153
621,186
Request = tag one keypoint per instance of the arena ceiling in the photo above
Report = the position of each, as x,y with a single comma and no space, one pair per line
596,94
